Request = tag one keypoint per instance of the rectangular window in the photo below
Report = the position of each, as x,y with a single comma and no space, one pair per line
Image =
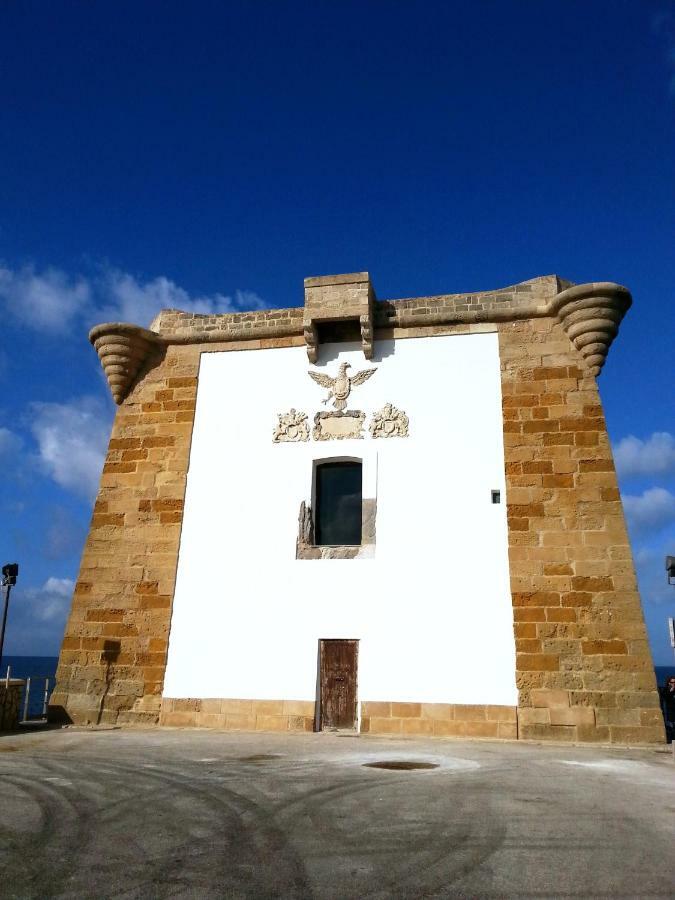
337,513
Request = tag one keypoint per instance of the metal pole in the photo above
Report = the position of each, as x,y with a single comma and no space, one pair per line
26,700
45,699
7,588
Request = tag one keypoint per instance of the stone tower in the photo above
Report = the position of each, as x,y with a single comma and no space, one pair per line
570,636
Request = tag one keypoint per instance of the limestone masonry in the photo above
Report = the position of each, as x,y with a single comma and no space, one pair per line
491,592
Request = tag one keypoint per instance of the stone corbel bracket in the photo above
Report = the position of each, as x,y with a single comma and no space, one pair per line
590,315
366,325
123,349
311,335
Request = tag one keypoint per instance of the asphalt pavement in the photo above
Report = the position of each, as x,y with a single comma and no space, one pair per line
188,813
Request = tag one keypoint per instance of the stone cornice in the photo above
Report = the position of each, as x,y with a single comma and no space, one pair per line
123,349
589,313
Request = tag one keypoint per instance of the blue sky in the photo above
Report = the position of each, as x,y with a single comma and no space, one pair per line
211,155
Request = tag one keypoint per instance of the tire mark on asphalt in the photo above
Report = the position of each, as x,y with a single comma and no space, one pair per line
55,842
468,850
261,835
253,842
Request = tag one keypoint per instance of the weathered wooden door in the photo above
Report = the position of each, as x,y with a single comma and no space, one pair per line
338,683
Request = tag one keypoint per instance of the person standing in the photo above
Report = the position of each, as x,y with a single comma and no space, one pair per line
668,706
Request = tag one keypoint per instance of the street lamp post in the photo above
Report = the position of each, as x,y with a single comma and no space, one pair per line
10,572
670,575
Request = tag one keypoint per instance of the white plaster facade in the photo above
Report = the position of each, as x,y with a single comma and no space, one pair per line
432,607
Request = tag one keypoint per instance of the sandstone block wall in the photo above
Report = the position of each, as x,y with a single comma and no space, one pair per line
338,296
10,703
193,327
112,661
239,715
433,719
440,719
584,668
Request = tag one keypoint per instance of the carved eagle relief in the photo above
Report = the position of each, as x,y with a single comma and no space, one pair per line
340,387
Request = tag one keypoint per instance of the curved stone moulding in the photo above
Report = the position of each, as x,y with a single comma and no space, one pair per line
311,336
367,338
590,315
122,350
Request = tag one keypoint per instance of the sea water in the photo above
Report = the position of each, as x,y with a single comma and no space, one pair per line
37,668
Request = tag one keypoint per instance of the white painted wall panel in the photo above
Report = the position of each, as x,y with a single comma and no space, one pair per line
432,609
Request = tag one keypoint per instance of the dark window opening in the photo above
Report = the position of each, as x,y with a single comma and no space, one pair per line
337,510
339,331
496,497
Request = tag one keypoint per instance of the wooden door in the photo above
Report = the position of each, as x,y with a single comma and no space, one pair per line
338,683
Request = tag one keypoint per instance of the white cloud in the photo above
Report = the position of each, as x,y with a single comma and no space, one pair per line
651,510
59,587
72,440
653,456
54,597
38,617
651,573
128,300
53,301
47,301
48,604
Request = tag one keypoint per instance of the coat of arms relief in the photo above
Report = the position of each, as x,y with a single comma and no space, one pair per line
292,426
341,423
389,422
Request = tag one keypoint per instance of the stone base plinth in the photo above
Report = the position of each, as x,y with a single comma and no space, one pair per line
239,715
604,717
554,717
439,719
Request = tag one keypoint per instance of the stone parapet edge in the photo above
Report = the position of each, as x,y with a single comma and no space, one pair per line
589,313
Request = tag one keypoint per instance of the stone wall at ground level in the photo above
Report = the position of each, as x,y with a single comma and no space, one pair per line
433,719
10,703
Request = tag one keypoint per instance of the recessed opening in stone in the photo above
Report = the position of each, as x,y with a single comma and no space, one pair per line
338,513
339,331
260,757
401,765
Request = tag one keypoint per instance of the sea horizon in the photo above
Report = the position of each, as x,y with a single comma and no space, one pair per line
45,666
